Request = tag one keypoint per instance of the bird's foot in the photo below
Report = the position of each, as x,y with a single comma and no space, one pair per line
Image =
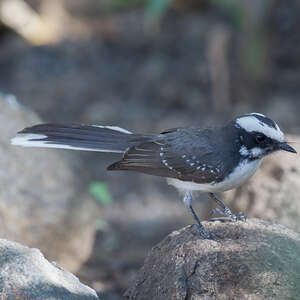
205,234
227,213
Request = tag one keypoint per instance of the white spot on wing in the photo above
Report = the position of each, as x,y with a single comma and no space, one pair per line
164,161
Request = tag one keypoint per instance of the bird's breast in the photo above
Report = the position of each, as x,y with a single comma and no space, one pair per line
241,173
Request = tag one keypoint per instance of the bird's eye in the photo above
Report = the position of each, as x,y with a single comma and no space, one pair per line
260,138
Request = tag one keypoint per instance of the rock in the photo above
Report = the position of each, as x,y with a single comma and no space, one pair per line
250,260
37,30
26,274
40,202
272,193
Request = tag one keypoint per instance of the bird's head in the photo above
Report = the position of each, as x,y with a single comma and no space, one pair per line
259,136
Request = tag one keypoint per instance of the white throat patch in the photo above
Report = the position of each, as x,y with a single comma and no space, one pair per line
250,123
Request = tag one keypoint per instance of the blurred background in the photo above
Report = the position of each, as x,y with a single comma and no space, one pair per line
145,65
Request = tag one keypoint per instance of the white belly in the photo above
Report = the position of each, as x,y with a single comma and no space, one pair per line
239,175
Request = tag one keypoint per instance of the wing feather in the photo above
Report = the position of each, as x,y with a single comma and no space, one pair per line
177,154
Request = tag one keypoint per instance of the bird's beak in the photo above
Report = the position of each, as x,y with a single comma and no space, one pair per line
286,147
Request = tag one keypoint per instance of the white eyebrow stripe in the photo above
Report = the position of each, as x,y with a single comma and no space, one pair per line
250,124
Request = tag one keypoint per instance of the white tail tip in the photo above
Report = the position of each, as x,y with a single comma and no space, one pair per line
26,140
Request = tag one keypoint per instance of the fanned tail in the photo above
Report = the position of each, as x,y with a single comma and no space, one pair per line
78,137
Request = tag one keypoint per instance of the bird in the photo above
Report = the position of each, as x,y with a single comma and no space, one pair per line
209,160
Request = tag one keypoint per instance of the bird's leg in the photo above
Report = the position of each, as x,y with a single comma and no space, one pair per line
188,197
225,211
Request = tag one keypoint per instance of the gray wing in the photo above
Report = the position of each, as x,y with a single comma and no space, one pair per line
179,153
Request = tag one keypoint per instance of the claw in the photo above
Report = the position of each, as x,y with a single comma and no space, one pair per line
205,234
241,217
225,211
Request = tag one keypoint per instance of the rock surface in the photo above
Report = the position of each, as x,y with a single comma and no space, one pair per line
250,260
40,204
273,192
26,274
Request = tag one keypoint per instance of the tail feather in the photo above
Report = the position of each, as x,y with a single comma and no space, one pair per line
78,137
